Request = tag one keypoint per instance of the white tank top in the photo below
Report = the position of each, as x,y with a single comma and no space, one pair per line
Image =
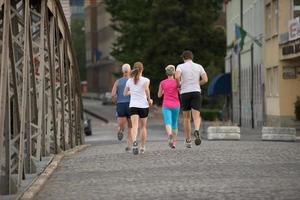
138,96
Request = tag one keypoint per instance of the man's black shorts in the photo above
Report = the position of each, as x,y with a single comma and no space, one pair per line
141,112
123,110
190,100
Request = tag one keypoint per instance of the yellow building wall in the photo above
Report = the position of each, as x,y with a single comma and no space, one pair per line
271,52
271,59
283,104
272,102
289,88
284,10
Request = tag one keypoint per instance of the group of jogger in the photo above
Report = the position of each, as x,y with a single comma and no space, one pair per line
132,96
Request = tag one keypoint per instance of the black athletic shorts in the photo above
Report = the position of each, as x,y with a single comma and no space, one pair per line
141,112
123,110
190,100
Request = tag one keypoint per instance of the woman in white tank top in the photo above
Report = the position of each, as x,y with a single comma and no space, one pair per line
138,89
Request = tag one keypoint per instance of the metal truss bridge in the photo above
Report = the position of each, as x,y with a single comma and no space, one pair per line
40,100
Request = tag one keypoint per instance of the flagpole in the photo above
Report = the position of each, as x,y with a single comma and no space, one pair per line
231,95
252,85
239,60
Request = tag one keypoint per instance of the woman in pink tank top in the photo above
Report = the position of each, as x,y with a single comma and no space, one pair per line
168,88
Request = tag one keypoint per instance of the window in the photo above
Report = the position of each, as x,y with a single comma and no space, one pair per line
269,82
275,83
272,82
275,17
272,18
296,8
268,20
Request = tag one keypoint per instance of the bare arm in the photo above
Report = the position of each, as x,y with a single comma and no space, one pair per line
114,91
160,91
177,77
147,91
204,79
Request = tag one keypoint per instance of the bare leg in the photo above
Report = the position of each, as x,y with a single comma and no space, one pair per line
197,122
170,135
187,125
168,130
196,119
175,131
122,122
135,124
129,138
143,129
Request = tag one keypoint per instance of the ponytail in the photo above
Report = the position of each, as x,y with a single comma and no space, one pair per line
137,71
135,75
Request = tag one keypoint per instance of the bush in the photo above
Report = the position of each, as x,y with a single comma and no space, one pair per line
297,108
210,114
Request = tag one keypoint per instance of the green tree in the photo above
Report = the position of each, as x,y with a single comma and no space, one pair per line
157,31
78,40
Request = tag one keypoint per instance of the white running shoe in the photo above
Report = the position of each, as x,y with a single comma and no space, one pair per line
188,144
142,150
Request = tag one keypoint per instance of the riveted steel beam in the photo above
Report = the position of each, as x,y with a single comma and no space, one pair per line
40,100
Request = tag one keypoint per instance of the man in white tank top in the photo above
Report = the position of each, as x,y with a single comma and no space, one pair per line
190,76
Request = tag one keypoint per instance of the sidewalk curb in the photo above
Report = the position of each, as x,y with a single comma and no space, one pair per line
93,98
41,180
96,115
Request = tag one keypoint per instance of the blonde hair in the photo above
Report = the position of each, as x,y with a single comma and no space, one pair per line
136,72
170,70
125,68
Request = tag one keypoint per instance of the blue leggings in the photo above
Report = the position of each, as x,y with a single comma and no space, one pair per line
171,116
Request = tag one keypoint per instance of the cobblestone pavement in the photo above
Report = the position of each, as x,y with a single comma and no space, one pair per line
216,170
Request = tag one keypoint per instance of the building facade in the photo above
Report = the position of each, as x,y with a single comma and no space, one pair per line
282,60
99,42
246,66
65,4
77,9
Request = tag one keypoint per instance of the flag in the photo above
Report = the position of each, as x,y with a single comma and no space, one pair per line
257,42
240,35
239,41
231,45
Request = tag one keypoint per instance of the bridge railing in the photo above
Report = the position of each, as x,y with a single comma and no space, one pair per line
40,99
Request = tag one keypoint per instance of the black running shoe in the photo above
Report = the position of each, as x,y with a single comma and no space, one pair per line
197,137
135,149
128,149
120,135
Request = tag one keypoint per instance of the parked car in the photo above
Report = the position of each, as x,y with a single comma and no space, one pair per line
107,99
87,126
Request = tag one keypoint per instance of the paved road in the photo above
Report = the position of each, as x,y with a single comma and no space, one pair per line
248,169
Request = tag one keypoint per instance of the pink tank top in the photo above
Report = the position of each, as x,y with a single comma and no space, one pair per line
170,92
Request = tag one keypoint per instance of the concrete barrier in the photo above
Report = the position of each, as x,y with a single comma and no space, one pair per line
278,134
223,133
